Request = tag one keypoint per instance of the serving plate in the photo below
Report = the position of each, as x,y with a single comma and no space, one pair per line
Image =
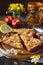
18,56
22,56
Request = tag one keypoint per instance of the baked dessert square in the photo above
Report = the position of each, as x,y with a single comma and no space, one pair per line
31,43
24,31
12,40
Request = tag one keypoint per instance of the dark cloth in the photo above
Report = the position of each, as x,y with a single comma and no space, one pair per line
10,61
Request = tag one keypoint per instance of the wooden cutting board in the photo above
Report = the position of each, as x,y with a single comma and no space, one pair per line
18,56
22,56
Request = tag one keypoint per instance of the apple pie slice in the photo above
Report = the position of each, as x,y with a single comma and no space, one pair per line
31,43
24,31
12,40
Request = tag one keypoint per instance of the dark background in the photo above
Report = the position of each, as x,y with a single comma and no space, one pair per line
4,4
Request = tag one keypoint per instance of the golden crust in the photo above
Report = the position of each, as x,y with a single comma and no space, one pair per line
32,5
37,4
35,11
13,40
30,42
24,31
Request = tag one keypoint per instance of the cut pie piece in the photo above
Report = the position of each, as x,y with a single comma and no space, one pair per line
12,40
31,43
24,31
